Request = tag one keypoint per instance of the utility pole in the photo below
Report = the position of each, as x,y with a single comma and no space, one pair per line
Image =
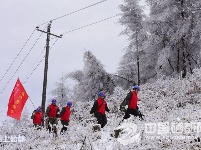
138,59
46,65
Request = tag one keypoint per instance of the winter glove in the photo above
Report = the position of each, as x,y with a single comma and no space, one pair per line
32,116
91,112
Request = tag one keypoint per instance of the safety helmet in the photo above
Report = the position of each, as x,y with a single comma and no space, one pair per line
136,87
54,101
101,94
38,109
69,103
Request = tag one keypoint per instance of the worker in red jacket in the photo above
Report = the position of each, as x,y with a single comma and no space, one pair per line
52,113
37,117
132,100
65,116
99,108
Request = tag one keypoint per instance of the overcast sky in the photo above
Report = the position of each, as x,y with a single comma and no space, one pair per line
18,21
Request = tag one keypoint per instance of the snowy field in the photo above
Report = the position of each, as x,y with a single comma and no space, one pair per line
172,121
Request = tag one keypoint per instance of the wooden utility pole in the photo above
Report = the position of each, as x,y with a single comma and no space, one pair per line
138,59
46,64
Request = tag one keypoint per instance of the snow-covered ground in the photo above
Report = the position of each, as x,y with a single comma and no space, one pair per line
172,121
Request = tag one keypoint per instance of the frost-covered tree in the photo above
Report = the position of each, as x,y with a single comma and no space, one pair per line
175,34
133,19
127,69
79,87
91,80
61,93
95,77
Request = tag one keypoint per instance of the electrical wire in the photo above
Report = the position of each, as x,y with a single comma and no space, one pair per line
74,12
32,103
70,32
28,78
3,108
50,48
32,68
39,63
89,24
17,56
21,64
66,33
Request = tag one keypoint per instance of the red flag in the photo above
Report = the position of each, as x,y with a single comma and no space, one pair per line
17,100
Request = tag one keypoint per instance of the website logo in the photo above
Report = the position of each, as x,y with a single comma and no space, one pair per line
128,134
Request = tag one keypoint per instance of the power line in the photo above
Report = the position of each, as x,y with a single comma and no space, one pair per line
63,34
35,62
3,108
17,56
74,12
66,33
50,48
21,64
89,24
38,63
32,103
28,78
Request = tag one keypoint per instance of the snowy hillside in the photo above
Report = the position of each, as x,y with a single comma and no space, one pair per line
172,121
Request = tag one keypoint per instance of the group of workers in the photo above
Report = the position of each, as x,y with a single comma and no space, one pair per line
99,110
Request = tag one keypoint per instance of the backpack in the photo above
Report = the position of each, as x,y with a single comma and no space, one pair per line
122,106
125,102
32,116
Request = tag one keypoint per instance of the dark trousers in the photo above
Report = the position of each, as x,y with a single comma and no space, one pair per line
37,126
51,123
102,119
64,128
131,111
